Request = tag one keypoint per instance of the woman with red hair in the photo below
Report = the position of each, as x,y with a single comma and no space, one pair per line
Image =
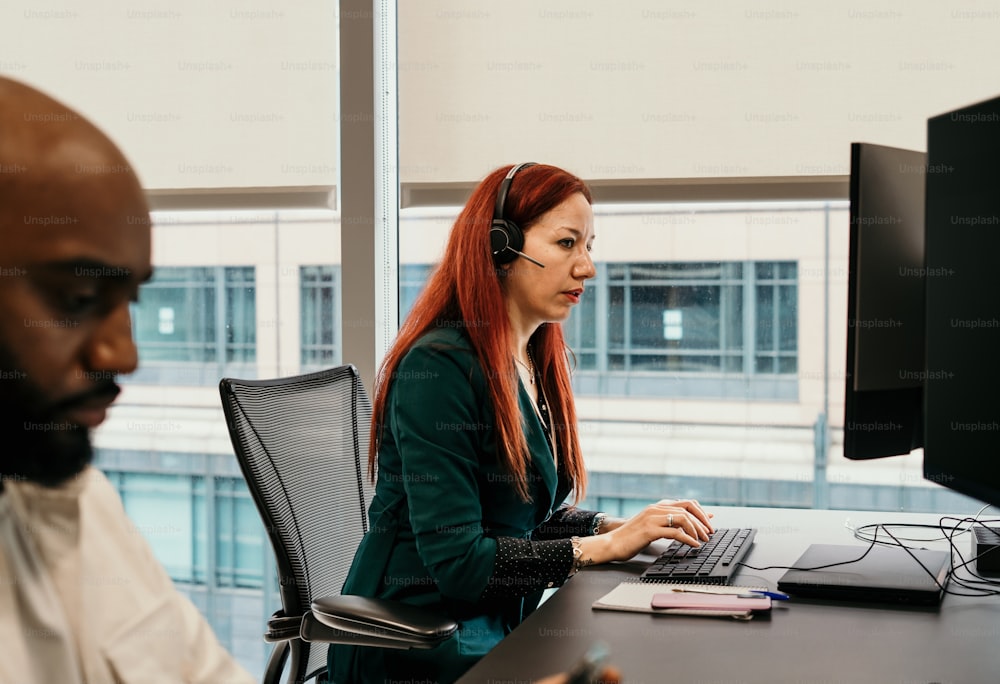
474,435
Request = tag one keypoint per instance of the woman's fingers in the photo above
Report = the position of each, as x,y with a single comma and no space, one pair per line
688,525
693,507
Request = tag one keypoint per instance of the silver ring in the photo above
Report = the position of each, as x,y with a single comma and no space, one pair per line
670,520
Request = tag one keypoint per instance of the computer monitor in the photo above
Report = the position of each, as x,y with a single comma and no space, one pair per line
962,391
885,306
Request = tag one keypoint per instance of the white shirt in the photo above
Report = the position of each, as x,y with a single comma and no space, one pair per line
83,600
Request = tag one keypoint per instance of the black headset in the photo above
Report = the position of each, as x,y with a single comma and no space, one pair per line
506,237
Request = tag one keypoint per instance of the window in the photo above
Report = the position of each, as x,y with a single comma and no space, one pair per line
239,538
412,278
194,324
164,509
588,323
175,513
677,317
777,318
693,320
638,322
320,316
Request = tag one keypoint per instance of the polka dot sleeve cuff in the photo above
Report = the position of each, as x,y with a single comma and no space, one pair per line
567,521
524,566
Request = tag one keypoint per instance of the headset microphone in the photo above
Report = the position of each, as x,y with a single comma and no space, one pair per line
532,260
506,237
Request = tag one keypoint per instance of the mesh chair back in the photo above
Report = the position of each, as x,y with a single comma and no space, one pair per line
302,444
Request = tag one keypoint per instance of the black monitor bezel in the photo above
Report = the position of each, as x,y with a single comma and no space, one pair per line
963,365
887,421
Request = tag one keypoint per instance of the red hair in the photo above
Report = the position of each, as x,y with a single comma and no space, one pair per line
464,289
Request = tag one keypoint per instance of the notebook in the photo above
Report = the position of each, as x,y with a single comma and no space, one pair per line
884,575
637,597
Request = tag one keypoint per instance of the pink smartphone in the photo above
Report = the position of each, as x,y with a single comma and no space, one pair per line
721,602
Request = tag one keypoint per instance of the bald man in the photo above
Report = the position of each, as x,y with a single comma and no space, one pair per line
82,598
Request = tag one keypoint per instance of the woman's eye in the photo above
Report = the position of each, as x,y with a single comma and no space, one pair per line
567,242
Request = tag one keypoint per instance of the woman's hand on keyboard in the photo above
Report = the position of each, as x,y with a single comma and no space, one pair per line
683,520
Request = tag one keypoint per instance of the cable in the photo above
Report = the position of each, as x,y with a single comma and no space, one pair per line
981,586
818,567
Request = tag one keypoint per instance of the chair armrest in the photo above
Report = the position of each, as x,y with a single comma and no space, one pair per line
281,627
397,624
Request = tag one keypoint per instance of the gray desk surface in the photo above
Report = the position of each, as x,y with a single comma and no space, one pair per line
802,641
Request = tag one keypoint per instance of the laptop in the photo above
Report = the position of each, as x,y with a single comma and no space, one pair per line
885,575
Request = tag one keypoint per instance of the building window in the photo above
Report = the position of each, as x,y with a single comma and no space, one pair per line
239,543
240,315
677,317
710,327
320,316
588,323
168,511
193,324
777,340
175,512
412,278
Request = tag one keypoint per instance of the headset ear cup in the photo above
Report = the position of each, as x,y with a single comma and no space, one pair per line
506,240
506,237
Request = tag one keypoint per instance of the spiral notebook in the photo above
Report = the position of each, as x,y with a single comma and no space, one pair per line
637,597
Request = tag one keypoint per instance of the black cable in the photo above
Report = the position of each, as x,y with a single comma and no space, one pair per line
818,567
961,526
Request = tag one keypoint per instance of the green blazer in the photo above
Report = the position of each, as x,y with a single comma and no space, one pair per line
447,528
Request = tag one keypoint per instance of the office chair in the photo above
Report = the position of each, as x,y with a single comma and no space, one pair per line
300,442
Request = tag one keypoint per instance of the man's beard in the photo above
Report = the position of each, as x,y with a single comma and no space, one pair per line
37,444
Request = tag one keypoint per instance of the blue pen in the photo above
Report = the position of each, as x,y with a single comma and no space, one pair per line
755,593
776,595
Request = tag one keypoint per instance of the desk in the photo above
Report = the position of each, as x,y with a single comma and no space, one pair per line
801,641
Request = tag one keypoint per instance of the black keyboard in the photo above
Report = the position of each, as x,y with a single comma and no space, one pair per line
714,562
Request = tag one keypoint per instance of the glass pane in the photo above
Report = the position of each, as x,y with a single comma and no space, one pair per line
617,271
732,270
788,314
326,320
249,544
764,364
788,364
732,318
174,319
412,278
732,364
224,536
676,363
584,320
241,315
765,317
616,317
319,320
765,270
161,508
677,271
239,544
201,533
675,317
